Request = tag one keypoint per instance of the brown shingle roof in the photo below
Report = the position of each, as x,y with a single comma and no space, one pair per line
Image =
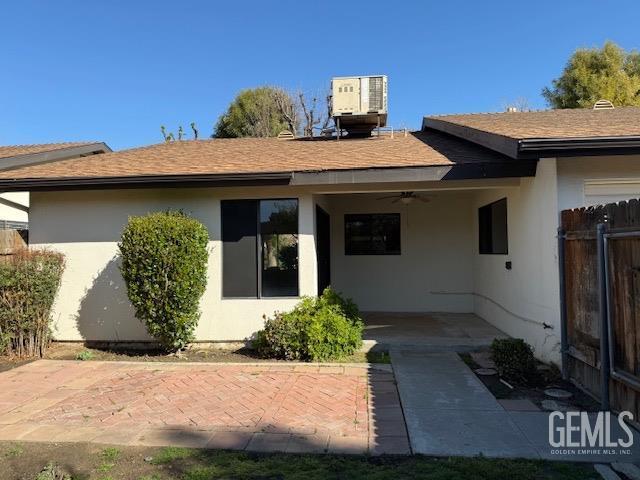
267,155
569,123
17,150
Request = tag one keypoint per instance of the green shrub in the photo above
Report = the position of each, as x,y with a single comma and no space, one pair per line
29,281
317,329
84,355
164,265
515,361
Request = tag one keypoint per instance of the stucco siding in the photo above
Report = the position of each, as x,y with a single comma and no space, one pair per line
521,301
572,173
92,303
15,214
433,271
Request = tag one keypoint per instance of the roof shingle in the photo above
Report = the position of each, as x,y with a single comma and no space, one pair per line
568,123
266,155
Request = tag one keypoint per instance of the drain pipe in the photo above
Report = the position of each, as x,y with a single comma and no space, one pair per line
604,320
564,341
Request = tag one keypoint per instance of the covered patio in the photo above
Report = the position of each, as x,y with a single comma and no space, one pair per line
428,331
410,260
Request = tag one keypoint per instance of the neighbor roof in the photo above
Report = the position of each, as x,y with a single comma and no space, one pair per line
558,132
257,156
17,150
14,157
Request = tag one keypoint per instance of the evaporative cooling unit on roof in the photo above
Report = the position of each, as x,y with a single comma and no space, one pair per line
359,104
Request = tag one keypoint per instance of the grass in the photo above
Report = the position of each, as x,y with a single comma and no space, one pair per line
204,465
50,461
109,458
13,450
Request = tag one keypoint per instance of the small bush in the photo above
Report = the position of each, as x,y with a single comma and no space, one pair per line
164,265
317,329
515,361
84,355
29,281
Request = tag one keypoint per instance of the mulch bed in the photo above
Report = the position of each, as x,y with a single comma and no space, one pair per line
550,379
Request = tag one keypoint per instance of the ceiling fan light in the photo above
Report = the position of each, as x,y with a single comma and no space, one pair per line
406,200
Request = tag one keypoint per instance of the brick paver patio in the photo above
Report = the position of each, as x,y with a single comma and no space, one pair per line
262,407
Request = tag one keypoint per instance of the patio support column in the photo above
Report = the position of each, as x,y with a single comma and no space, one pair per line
307,259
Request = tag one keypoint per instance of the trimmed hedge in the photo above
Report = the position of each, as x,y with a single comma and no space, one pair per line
29,282
164,265
317,329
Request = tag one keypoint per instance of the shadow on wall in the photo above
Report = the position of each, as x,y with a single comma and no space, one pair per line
105,313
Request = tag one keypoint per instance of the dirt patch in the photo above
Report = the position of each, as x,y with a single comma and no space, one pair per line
9,363
77,351
550,379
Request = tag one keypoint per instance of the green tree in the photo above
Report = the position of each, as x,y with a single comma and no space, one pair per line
590,75
258,112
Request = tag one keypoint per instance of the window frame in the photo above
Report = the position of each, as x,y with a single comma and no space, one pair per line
350,253
258,249
483,249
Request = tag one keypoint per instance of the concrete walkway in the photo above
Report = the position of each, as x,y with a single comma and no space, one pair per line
449,411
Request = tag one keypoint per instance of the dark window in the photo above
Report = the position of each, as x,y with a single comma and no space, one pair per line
372,234
279,239
239,254
259,248
492,222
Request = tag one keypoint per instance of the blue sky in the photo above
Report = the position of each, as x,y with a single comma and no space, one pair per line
116,70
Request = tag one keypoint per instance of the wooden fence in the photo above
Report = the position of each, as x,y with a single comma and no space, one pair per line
603,294
12,240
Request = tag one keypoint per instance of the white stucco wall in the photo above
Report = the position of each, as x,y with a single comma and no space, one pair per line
92,303
434,270
572,173
519,300
14,214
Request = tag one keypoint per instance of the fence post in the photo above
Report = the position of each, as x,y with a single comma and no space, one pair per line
604,319
564,341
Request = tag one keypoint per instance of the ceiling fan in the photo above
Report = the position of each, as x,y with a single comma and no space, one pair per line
406,198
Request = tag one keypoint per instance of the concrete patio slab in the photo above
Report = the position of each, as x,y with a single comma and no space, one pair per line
466,433
535,428
432,331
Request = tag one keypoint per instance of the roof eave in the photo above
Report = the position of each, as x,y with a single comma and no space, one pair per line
143,181
531,148
19,161
578,146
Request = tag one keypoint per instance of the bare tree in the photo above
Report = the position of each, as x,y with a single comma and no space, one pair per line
288,109
311,116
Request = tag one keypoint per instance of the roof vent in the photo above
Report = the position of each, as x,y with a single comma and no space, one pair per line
286,135
603,105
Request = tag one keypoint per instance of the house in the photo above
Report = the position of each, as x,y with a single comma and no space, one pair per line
14,206
288,217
